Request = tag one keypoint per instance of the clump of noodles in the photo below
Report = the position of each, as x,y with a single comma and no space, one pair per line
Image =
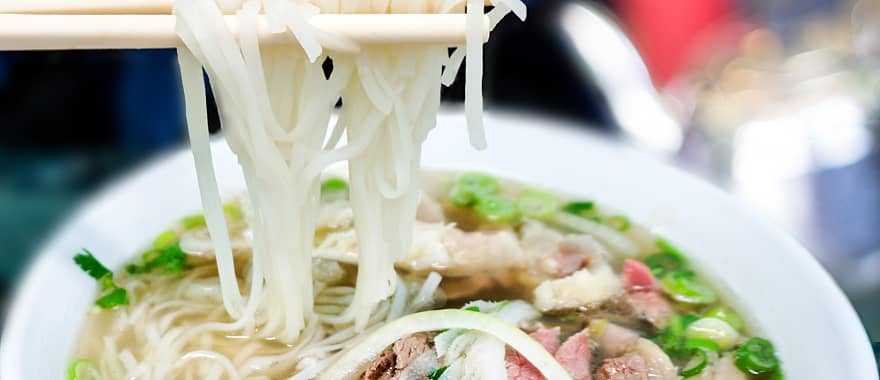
172,329
274,141
275,106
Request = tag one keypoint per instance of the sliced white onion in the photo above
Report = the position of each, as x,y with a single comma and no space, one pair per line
351,362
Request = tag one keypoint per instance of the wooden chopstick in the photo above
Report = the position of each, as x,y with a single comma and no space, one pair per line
65,32
86,6
102,6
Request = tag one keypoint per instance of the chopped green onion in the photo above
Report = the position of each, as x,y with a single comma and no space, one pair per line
165,240
472,308
497,210
777,375
537,204
233,211
170,260
667,247
334,189
702,344
757,357
663,263
619,222
436,373
81,369
115,297
683,286
580,208
726,314
687,319
193,221
89,264
470,188
672,338
715,330
696,364
597,327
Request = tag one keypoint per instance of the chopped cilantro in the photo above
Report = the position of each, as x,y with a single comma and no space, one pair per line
436,373
115,297
89,264
112,295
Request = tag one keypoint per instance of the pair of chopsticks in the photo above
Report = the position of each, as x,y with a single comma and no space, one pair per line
142,24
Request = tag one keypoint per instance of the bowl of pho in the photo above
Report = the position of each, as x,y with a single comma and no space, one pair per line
343,228
529,263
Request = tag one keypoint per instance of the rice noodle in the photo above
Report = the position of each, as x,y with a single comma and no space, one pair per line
275,106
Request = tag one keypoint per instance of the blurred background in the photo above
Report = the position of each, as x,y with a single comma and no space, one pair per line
776,101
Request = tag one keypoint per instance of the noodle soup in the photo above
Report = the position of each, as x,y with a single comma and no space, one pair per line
502,280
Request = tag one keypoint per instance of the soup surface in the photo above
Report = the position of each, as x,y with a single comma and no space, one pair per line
600,294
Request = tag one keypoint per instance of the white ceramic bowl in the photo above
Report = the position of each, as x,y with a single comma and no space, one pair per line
788,296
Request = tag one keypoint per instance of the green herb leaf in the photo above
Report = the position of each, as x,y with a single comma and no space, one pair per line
672,338
726,314
683,286
777,375
193,221
697,363
112,295
537,204
703,344
233,212
497,209
89,264
115,297
436,373
80,368
165,240
106,282
471,188
334,189
669,259
170,260
757,356
667,247
580,208
473,308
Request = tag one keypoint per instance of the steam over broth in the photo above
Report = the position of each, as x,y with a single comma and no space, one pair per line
596,291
